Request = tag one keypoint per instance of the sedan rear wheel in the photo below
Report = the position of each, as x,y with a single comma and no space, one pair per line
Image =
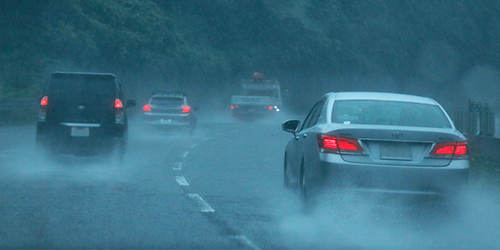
286,181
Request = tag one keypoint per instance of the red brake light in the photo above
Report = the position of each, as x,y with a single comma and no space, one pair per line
186,109
270,107
329,143
147,108
232,107
45,101
349,144
118,104
461,148
449,149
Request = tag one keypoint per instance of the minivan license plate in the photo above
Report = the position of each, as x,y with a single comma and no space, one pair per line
79,131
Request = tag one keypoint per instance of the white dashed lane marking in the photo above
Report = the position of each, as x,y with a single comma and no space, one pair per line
202,204
204,207
181,180
177,166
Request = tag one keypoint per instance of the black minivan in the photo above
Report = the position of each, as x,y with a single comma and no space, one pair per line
82,114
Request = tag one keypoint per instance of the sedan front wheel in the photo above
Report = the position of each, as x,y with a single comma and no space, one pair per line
303,187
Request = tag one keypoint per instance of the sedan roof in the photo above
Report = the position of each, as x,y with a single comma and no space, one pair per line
380,96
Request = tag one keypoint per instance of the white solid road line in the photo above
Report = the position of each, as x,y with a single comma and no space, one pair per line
181,180
205,208
185,154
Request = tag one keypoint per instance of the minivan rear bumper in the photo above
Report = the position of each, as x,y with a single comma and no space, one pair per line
97,139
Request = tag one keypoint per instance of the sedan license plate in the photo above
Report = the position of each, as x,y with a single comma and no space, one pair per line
80,131
395,152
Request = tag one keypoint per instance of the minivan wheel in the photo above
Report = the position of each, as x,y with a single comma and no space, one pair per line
119,152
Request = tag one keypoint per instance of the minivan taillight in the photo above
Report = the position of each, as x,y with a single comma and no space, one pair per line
42,112
334,144
45,101
118,104
449,150
119,113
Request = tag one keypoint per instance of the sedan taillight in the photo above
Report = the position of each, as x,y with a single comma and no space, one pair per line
334,144
147,108
449,150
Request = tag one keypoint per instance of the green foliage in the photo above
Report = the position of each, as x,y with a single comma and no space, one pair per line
212,43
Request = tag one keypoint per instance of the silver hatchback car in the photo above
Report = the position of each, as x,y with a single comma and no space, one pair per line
170,109
376,142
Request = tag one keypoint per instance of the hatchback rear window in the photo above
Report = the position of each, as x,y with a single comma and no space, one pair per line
164,100
397,113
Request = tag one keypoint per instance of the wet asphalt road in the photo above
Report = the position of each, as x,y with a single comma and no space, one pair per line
220,188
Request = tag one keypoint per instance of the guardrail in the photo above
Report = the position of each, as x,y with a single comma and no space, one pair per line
475,122
18,110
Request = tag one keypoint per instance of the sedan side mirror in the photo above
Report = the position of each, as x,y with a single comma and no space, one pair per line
290,126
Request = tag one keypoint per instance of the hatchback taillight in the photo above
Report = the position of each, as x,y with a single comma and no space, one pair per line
450,149
186,109
334,144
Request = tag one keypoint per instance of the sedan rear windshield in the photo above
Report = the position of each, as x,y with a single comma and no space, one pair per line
168,101
397,113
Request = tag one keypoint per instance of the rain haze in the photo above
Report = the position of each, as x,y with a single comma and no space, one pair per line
159,124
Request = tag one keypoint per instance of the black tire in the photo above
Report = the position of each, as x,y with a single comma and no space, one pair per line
190,130
286,180
304,196
119,151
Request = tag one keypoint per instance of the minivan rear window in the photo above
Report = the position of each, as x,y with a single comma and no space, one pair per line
90,88
398,113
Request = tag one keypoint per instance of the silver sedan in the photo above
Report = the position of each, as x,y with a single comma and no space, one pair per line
380,142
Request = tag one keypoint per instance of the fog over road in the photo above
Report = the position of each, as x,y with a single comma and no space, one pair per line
220,188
